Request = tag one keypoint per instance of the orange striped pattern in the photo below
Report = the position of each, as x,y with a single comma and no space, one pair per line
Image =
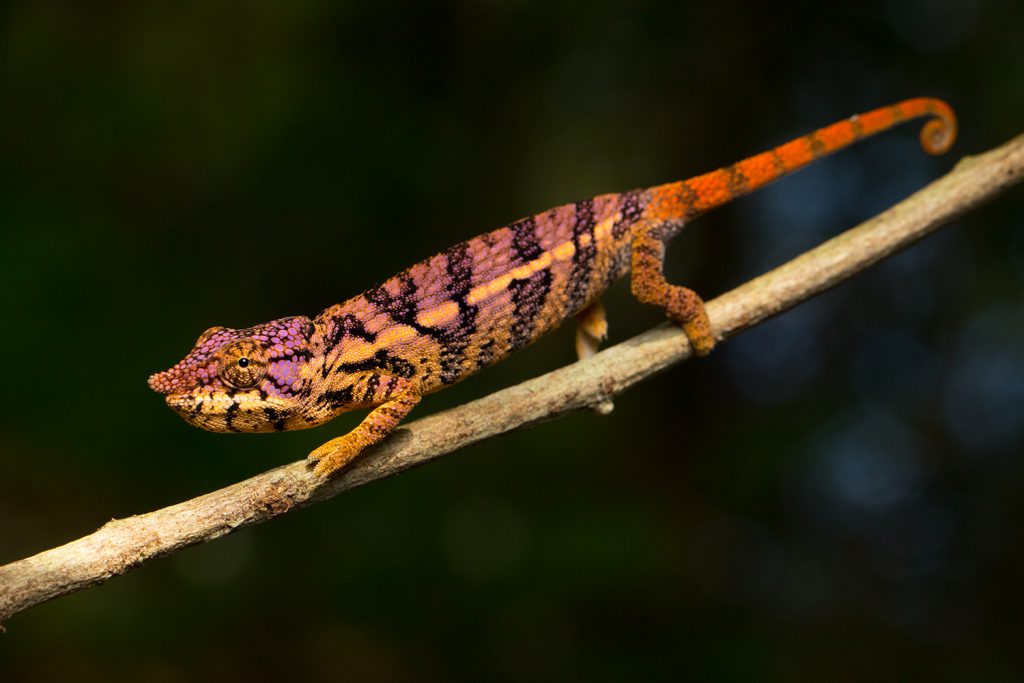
686,199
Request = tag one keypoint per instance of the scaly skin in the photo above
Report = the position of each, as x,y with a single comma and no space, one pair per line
472,305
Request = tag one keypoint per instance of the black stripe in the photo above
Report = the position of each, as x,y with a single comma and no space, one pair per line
401,308
736,181
690,200
486,354
371,387
528,296
229,416
817,146
778,162
275,418
381,361
583,257
336,398
454,338
630,210
525,245
342,326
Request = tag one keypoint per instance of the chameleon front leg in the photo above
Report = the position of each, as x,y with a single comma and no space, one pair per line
396,398
591,329
683,306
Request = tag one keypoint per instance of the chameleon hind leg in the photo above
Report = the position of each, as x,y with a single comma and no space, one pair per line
396,398
683,306
591,330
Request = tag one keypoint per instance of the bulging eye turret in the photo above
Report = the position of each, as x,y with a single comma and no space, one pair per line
242,363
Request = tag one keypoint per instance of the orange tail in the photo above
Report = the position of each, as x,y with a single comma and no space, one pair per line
688,198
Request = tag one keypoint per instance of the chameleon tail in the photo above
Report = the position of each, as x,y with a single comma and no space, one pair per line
670,206
687,199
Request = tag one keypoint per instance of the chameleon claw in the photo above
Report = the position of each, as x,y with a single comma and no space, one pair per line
333,455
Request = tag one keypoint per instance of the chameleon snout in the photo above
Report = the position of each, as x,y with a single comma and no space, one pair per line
167,382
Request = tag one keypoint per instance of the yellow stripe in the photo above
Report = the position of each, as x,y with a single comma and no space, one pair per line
564,251
447,311
500,284
438,315
603,229
393,336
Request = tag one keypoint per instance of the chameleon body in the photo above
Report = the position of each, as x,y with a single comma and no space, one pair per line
472,305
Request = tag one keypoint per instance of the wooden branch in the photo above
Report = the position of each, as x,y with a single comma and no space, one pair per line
123,544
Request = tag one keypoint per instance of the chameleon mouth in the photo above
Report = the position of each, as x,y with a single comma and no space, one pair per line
179,401
223,412
210,412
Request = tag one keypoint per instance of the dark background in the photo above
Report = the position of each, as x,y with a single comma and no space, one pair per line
835,495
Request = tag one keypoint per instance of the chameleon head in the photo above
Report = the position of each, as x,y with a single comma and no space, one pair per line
251,380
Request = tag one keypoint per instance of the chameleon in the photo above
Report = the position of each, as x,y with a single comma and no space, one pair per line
475,303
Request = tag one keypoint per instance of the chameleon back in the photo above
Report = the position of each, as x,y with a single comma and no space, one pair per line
475,303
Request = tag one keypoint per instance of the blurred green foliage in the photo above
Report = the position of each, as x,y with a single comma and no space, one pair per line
835,495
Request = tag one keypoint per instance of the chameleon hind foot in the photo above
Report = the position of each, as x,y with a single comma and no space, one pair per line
682,305
686,309
591,330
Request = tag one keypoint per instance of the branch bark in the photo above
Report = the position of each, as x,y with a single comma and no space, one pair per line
123,544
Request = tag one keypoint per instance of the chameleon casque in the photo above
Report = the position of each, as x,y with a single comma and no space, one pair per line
472,305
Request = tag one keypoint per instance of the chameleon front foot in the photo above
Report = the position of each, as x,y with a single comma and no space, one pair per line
397,397
334,455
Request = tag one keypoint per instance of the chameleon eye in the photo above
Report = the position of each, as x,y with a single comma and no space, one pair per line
243,364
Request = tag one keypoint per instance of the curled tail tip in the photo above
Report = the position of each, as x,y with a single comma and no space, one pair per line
939,134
